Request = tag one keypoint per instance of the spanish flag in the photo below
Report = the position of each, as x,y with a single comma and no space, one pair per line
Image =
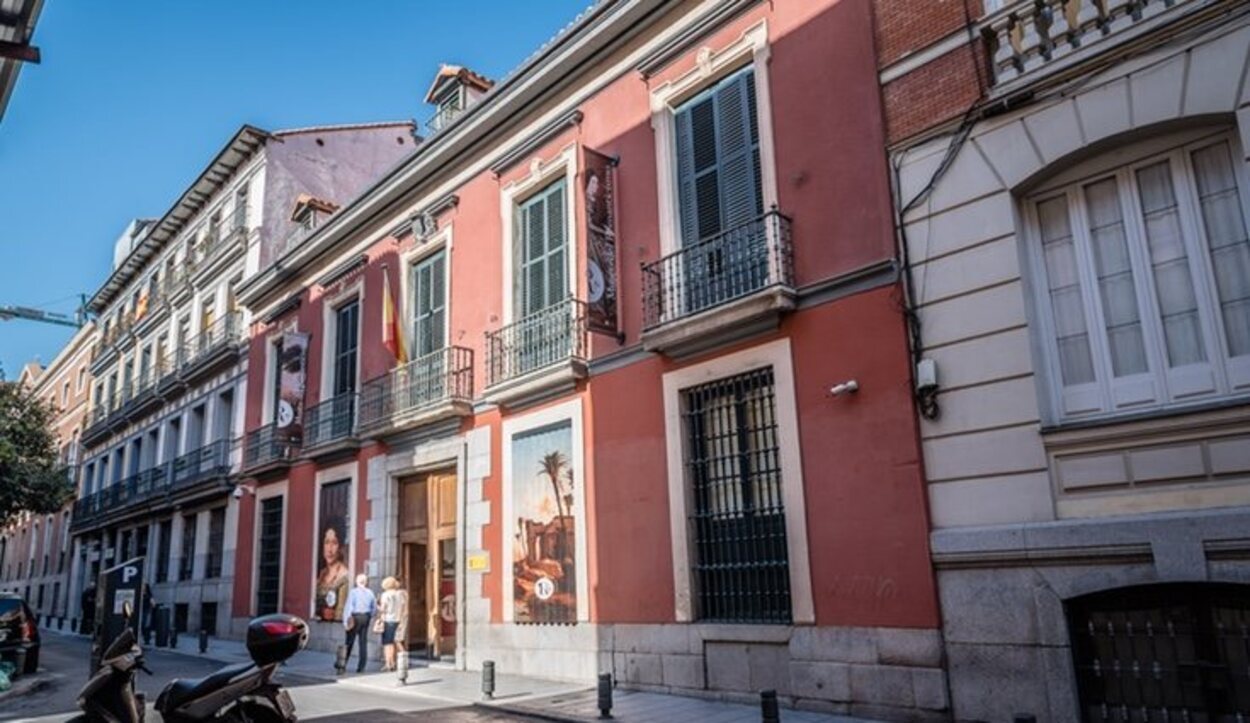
392,328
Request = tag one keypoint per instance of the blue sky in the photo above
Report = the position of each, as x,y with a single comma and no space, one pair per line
134,98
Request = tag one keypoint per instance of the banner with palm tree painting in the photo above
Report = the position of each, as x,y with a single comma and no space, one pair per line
544,554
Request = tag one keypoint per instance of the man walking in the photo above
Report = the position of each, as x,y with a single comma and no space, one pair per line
361,604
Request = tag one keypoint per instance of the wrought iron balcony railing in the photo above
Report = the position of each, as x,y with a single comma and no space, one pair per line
267,445
719,269
551,336
443,376
219,335
444,117
1032,36
211,460
330,421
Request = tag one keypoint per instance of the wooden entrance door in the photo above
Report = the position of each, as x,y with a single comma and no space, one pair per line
427,537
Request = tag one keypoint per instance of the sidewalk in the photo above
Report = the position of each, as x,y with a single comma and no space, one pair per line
547,699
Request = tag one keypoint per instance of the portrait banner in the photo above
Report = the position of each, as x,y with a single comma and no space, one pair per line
333,550
291,357
599,196
544,549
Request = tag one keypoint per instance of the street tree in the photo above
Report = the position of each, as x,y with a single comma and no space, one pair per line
30,480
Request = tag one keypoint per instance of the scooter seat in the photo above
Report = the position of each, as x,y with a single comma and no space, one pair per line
182,690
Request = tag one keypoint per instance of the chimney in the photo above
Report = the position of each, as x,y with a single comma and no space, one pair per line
455,88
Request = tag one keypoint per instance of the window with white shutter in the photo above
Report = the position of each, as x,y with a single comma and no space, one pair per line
1144,283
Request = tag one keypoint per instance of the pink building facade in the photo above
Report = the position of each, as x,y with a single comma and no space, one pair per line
567,372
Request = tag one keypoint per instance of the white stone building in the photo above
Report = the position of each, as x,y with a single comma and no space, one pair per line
163,437
1080,268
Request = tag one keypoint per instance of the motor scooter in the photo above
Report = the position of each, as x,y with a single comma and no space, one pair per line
245,692
109,694
241,693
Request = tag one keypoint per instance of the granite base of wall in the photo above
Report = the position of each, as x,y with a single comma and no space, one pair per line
882,673
1003,592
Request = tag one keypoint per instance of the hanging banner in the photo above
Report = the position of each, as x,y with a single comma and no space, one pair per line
291,357
599,194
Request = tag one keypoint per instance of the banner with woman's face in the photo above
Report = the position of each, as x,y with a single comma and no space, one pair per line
333,547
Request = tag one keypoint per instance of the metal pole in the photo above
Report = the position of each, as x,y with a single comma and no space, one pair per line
401,666
488,679
340,659
203,641
769,712
605,695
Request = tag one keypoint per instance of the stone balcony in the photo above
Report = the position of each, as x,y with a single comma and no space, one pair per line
1035,39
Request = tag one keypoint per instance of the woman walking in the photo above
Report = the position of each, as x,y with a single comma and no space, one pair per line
394,621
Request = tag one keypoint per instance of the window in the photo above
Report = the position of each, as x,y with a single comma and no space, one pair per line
163,542
1145,296
82,379
429,279
345,344
216,542
718,159
186,563
240,207
65,395
737,517
208,314
541,237
269,556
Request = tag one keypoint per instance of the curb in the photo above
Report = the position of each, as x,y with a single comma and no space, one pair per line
27,684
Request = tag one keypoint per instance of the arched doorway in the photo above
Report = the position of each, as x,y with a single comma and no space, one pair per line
1166,652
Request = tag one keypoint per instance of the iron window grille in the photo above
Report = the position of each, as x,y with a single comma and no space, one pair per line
216,542
741,564
269,552
162,552
186,563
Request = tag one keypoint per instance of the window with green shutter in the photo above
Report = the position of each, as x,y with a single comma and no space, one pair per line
429,280
542,262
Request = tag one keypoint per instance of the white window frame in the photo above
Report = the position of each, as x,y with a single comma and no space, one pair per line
570,411
541,174
441,240
777,355
1122,164
751,48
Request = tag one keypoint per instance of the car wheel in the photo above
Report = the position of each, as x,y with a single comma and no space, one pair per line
32,661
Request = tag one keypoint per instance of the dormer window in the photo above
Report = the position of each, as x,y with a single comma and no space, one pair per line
454,89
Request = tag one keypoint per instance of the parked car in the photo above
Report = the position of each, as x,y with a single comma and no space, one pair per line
19,636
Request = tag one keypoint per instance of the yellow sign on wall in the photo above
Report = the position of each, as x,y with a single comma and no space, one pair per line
478,561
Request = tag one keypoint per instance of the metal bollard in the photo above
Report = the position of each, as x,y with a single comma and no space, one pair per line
340,659
769,712
605,695
173,636
1024,718
488,679
401,666
203,641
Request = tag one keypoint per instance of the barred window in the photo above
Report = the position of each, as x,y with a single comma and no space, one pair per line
216,542
741,565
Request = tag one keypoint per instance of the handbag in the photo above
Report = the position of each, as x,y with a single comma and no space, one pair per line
378,625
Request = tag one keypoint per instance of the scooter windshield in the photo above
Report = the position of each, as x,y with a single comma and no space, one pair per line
122,645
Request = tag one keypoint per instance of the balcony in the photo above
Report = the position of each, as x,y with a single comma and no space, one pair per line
1032,39
268,448
726,287
203,472
140,396
539,355
331,425
217,248
428,389
212,347
210,462
444,117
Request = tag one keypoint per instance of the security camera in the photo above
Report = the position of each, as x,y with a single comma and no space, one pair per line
238,493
